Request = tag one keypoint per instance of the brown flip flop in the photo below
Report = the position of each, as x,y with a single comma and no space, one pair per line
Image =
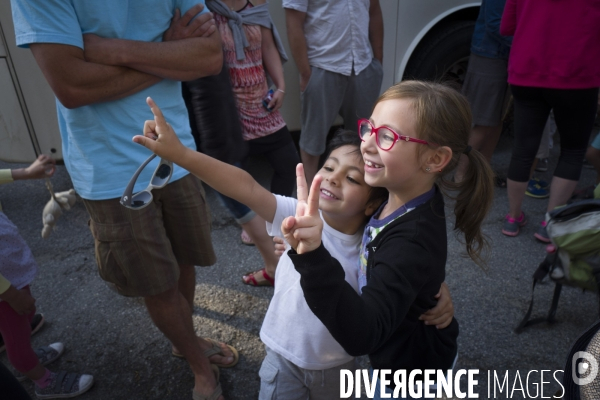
216,393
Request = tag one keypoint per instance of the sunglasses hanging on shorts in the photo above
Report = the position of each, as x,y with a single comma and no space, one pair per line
159,179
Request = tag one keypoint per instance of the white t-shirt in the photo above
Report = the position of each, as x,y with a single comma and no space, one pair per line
290,328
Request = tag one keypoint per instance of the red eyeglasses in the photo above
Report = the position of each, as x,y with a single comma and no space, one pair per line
385,137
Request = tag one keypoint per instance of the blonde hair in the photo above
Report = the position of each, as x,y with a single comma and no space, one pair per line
443,117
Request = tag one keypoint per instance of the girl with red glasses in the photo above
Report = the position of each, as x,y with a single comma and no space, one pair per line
410,145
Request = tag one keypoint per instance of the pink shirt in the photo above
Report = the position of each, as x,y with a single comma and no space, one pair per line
556,43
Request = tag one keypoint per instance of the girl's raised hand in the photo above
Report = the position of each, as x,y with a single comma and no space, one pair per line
303,231
159,136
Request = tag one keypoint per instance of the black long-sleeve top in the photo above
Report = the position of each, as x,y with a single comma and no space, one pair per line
405,269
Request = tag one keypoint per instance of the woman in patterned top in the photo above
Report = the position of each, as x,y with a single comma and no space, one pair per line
252,50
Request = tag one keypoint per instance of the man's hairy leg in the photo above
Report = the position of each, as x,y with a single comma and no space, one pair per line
187,289
171,313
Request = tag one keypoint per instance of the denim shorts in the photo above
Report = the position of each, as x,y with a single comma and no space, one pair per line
241,212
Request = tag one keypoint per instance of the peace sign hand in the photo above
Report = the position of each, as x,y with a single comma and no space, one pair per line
159,136
303,231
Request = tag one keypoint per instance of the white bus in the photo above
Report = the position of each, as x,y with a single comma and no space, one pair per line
427,39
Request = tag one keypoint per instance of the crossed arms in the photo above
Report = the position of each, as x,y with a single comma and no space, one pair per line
111,69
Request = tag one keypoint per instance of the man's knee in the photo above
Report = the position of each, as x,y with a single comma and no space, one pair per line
187,268
169,296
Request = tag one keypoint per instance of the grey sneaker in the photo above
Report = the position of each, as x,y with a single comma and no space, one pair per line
46,355
512,226
65,385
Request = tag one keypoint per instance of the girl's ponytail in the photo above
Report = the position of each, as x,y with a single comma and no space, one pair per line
473,201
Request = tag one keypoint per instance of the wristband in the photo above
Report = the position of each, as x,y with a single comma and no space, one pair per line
282,91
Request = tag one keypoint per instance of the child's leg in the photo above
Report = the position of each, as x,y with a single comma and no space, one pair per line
16,331
281,379
325,384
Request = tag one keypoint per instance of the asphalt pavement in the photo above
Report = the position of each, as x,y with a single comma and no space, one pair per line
112,337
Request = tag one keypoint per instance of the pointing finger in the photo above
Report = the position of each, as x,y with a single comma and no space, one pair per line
302,188
158,115
313,196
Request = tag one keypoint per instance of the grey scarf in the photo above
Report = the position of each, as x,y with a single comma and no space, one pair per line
258,15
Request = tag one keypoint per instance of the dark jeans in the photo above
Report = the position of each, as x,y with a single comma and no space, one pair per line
574,112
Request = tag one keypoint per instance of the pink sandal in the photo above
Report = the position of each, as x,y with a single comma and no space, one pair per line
253,282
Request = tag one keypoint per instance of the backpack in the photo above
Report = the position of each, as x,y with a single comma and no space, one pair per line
573,259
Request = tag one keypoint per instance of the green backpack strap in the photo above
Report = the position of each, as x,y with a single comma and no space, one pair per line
540,273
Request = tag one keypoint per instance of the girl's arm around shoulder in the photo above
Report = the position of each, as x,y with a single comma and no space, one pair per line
231,181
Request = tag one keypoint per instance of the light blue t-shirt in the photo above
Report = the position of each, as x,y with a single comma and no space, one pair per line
96,139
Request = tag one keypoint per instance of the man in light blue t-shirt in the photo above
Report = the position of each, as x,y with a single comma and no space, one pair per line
102,60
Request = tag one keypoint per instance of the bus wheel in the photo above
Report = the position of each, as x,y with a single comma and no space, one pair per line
443,55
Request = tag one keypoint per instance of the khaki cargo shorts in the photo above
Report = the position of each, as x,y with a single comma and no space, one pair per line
139,251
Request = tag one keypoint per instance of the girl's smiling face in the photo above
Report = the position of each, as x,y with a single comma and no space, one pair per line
401,169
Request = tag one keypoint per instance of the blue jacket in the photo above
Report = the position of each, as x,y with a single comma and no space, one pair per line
487,41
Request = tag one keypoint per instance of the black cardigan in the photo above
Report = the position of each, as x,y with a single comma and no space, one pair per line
405,269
